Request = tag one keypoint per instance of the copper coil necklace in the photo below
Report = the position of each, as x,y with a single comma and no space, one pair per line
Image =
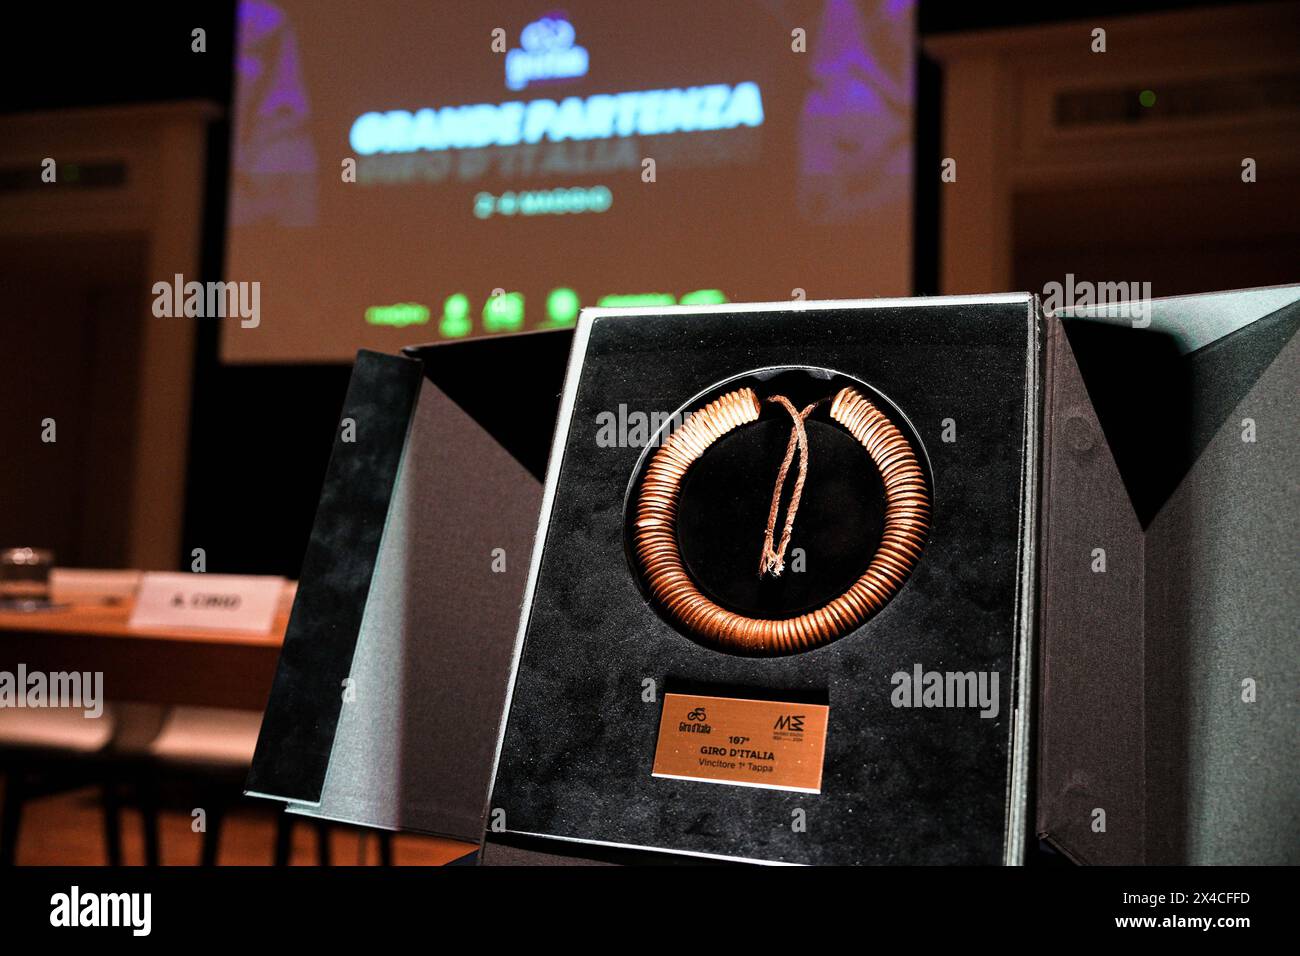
907,518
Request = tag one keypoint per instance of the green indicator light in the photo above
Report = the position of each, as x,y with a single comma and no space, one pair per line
455,317
562,307
641,299
504,312
1147,98
704,297
399,315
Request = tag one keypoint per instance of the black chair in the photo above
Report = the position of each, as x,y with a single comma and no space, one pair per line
46,751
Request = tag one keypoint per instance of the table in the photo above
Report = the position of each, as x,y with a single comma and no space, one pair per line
155,665
168,666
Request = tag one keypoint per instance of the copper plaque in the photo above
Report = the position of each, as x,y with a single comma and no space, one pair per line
750,743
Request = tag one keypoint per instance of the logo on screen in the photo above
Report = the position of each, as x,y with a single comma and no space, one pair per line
546,52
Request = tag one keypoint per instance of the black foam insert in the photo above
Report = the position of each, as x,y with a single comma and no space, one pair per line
918,785
724,508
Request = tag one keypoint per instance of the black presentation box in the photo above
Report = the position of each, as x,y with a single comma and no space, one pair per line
1146,704
1140,602
900,785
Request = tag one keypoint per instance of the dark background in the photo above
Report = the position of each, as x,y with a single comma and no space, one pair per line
261,435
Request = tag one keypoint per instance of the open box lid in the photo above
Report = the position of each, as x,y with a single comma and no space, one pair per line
1169,581
389,690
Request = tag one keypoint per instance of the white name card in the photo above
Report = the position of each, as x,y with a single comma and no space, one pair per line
227,602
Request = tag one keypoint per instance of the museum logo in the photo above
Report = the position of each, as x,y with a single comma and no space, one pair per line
922,688
209,300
